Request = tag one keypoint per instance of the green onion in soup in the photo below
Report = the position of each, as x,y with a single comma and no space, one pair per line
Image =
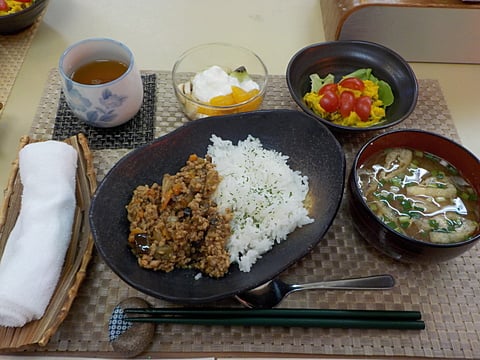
420,195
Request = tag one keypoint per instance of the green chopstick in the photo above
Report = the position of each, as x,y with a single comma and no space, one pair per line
364,319
279,312
288,322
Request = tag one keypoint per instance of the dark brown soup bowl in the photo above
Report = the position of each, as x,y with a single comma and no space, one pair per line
381,236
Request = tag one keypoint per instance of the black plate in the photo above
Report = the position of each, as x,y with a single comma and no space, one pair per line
312,149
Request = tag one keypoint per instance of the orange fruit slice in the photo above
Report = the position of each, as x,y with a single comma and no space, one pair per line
237,96
223,100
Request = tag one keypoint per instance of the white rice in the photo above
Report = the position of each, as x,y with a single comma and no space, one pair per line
265,195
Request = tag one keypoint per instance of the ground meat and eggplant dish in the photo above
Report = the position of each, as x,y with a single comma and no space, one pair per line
177,225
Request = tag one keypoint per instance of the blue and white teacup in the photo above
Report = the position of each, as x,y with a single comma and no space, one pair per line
103,105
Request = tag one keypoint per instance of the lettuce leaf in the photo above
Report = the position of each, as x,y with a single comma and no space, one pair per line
385,93
317,82
362,74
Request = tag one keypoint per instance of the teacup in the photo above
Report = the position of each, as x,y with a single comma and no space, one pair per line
107,103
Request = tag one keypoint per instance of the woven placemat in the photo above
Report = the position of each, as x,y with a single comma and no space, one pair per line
134,133
447,294
13,49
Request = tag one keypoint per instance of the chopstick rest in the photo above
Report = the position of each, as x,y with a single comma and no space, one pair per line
34,253
364,319
126,338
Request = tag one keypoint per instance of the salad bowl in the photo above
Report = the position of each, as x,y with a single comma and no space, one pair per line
18,21
337,59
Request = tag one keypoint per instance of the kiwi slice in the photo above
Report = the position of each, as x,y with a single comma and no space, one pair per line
240,73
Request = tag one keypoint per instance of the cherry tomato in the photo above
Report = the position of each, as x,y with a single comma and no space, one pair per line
363,106
3,5
352,83
328,87
347,103
329,101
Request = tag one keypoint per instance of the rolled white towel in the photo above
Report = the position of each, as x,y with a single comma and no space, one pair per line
35,251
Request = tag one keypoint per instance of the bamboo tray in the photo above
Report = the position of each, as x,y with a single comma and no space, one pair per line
76,259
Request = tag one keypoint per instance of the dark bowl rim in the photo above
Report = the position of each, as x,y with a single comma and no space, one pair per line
371,44
357,192
24,11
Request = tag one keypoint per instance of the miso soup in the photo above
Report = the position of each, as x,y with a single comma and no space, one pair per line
420,195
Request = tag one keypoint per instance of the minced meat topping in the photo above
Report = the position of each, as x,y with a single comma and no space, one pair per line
177,225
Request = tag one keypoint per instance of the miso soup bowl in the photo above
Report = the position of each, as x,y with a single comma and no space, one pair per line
381,236
104,105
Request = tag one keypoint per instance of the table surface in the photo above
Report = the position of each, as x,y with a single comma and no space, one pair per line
167,28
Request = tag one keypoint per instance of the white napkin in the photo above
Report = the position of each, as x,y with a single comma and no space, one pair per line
34,254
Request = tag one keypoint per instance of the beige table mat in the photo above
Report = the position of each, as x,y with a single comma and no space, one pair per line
13,49
447,294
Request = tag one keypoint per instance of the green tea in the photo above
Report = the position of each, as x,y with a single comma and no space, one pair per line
99,72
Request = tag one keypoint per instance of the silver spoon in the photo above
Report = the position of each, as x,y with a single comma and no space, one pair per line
273,292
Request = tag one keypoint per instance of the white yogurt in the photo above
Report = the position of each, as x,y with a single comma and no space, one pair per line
216,82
